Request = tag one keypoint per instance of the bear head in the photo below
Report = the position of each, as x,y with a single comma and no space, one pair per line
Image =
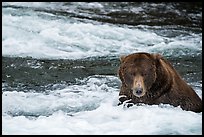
138,72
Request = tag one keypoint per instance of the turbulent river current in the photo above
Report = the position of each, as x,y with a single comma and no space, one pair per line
60,63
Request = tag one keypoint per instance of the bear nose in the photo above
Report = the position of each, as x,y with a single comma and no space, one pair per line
139,91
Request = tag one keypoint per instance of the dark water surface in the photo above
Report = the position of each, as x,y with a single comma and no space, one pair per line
22,74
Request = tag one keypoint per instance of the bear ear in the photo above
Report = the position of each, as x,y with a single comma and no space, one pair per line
157,56
122,58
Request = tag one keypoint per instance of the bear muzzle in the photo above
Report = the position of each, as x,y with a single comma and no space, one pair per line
138,87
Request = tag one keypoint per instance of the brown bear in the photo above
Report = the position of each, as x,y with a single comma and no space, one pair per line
151,79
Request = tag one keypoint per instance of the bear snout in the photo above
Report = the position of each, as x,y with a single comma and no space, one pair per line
138,88
138,91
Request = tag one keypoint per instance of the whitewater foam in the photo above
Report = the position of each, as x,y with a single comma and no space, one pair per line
61,38
90,107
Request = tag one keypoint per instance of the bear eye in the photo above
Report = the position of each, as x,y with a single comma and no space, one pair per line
144,74
133,73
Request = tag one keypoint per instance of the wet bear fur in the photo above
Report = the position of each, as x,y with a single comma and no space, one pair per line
151,79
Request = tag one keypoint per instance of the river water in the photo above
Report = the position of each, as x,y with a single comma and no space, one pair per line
60,62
